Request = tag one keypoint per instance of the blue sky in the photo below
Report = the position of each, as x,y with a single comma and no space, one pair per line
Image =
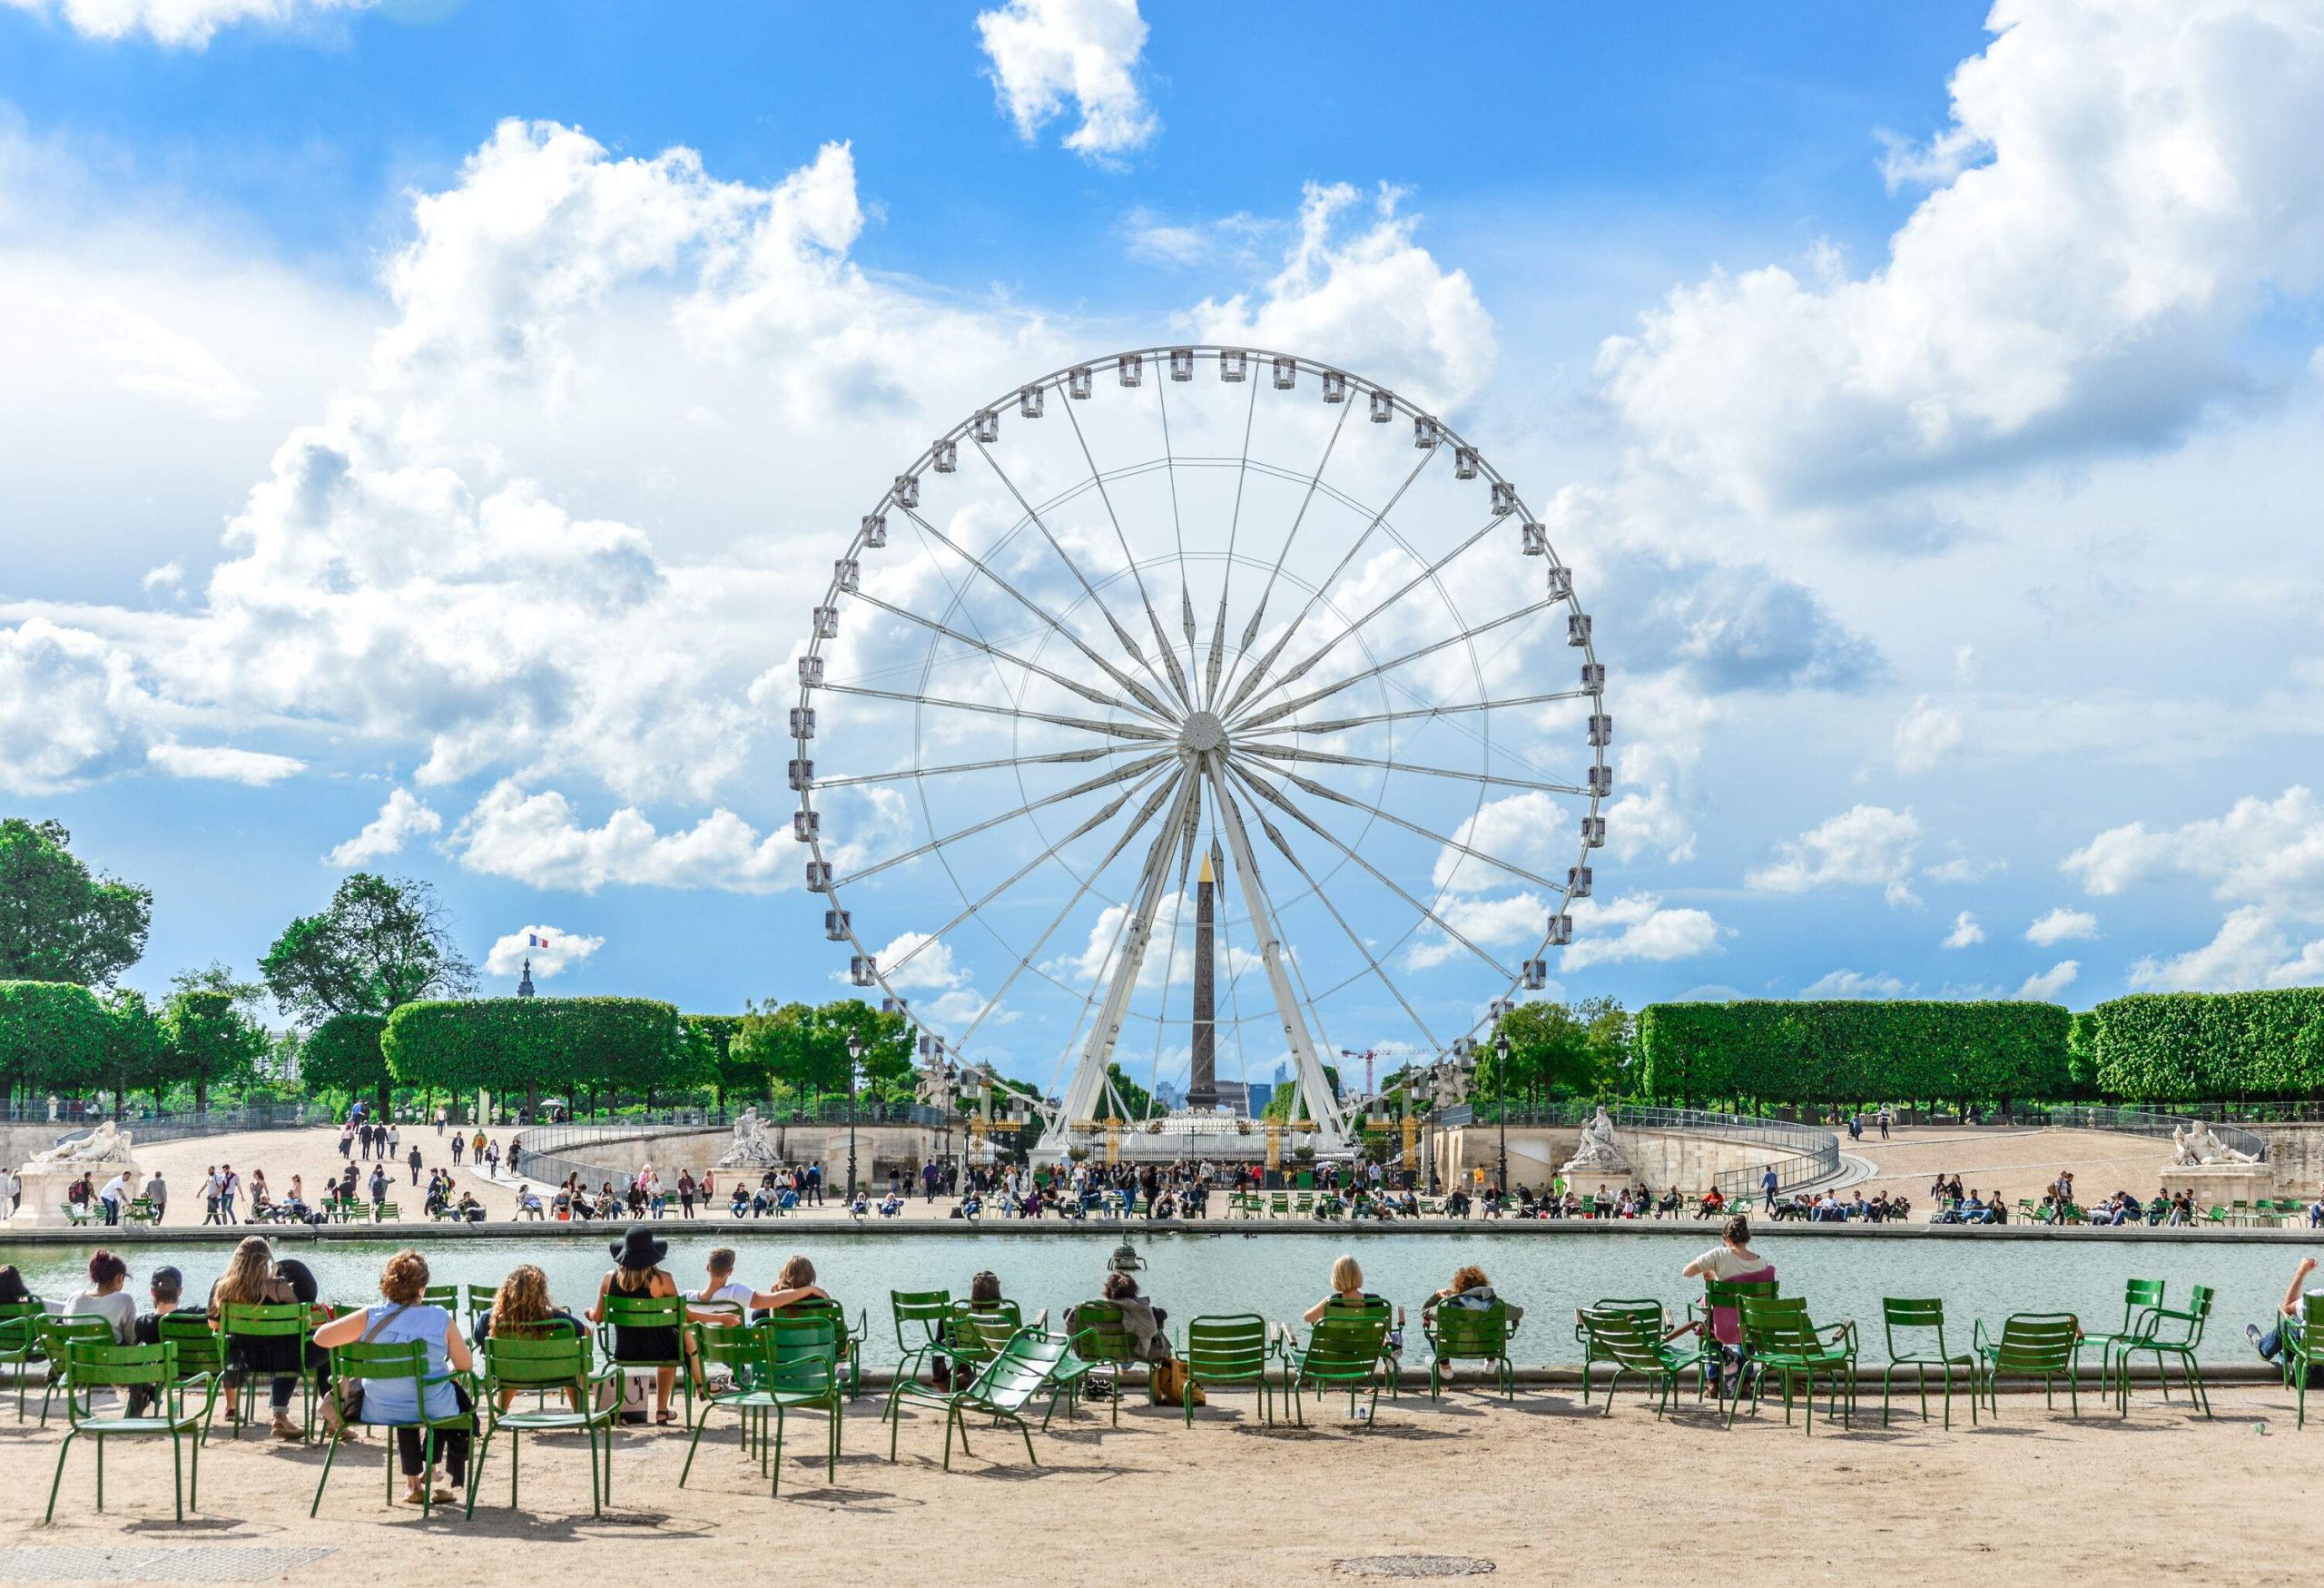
421,416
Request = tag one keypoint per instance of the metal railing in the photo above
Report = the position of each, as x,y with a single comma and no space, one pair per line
180,1127
546,1154
2143,1122
1811,1154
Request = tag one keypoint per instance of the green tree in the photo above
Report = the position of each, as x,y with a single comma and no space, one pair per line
53,1038
804,1048
213,1038
1135,1098
528,1045
58,920
137,1049
378,945
344,1054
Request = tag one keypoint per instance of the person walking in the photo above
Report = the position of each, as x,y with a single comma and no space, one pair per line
475,1148
413,1159
230,1186
458,1142
1768,1187
516,1155
492,1160
378,1187
443,1116
157,1193
210,1185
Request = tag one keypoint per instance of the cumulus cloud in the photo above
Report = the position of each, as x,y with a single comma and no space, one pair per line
2264,850
2253,948
1964,868
549,948
1637,928
1855,984
402,818
541,840
182,23
2045,986
1045,52
2060,926
1965,932
71,709
252,768
2114,201
1372,300
1864,846
1925,734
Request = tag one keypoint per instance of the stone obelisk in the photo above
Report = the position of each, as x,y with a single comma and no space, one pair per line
1202,1090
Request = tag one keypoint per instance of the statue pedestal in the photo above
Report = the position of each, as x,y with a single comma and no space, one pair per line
1583,1178
40,1204
2222,1185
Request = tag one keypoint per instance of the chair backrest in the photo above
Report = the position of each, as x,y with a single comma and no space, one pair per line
2138,1295
59,1333
1621,1336
91,1364
919,1315
1912,1313
643,1312
2036,1342
271,1320
446,1297
374,1359
822,1306
802,1353
514,1362
1019,1370
976,1334
1099,1334
2311,1318
20,1325
738,1350
1224,1347
1778,1323
1346,1340
200,1349
1647,1311
1471,1331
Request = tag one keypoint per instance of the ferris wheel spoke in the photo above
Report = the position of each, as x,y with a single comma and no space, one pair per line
1162,644
1306,501
901,773
1282,802
1342,724
1090,824
1326,757
1300,671
1088,785
1275,836
1212,668
1285,708
1095,697
1147,812
1122,634
1260,669
1311,787
1086,724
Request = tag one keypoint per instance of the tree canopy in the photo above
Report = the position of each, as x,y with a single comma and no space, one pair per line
213,1038
59,921
378,945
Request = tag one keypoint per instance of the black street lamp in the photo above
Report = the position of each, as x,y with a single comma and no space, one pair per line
1500,1100
952,1106
854,1064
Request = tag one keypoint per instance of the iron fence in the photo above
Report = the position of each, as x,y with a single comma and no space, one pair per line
1810,1154
2143,1122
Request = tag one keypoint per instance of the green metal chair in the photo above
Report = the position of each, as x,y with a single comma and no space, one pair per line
57,1334
289,1320
646,1312
20,1345
1646,1312
1100,1339
2043,1344
1343,1350
919,1317
1227,1350
2169,1332
1924,1317
2138,1298
200,1351
1729,1294
1470,1333
1629,1337
476,1306
803,1375
557,1364
2303,1348
96,1365
741,1353
976,1334
851,1340
373,1362
1786,1345
1003,1389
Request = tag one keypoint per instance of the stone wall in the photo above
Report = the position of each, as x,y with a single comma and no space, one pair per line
1661,1157
2297,1153
877,1147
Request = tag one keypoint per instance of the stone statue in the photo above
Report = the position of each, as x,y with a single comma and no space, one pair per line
934,1087
2194,1143
1452,1082
751,1147
1597,1149
108,1143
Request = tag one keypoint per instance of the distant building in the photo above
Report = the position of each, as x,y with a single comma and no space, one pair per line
1257,1096
1167,1093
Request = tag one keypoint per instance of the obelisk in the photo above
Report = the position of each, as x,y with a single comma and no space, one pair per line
1202,1091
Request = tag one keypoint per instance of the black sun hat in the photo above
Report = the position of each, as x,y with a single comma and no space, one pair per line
637,1248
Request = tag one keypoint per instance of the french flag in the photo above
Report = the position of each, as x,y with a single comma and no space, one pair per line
533,941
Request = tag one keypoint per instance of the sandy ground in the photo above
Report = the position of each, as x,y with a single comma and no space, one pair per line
1546,1492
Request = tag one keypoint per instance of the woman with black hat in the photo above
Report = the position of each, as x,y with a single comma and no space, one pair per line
637,1272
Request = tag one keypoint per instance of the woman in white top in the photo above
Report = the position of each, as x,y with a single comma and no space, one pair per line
402,1315
107,1297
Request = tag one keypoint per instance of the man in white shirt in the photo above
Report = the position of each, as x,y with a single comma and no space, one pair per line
117,1190
719,1282
2291,1316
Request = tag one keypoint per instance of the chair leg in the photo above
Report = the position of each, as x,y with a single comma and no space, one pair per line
177,1475
58,1482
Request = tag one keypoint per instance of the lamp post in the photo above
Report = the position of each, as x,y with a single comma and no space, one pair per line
1500,1100
951,1103
854,1064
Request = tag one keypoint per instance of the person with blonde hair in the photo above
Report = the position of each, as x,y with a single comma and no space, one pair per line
1347,1290
250,1280
796,1282
522,1310
403,1314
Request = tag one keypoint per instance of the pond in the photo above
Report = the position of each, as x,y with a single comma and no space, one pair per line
1279,1274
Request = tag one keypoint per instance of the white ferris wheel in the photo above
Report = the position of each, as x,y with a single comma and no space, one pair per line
1191,616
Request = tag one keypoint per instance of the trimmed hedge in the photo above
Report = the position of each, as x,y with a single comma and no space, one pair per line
2189,1047
530,1045
345,1054
1851,1051
55,1036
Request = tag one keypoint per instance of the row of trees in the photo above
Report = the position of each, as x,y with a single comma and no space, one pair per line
2196,1047
59,1038
1771,1050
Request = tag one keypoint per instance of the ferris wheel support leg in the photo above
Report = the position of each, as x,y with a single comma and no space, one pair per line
1089,1083
1314,1086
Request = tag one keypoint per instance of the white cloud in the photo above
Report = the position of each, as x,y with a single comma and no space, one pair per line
1637,928
169,576
2060,926
69,708
1964,868
2117,200
2046,986
1045,52
1965,932
402,818
538,839
562,950
184,23
1864,846
930,964
1518,920
2252,949
1855,984
1374,302
254,768
2267,851
1927,734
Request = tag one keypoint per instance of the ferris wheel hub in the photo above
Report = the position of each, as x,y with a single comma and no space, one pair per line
1203,733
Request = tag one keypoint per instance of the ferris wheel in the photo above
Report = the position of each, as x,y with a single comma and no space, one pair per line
1198,703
